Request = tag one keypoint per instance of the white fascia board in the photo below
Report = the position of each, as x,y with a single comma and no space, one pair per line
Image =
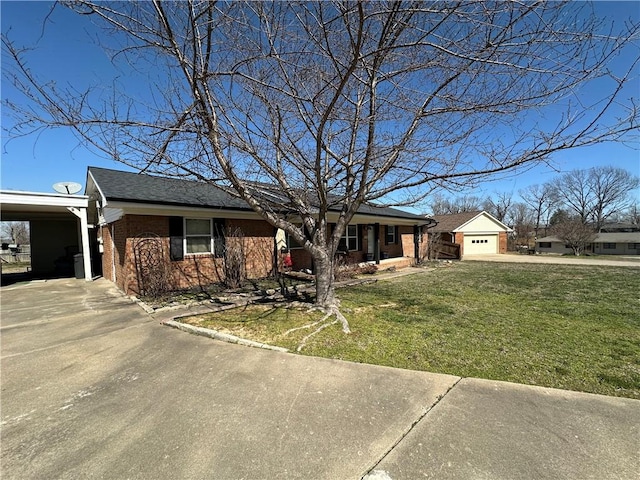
133,208
16,197
372,219
103,199
501,225
332,217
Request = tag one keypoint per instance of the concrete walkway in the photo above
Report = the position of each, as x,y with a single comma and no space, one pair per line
92,387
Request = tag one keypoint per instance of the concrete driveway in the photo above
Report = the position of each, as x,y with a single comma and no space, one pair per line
92,387
615,261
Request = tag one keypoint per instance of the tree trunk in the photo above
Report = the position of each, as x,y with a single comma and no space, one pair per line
325,289
325,293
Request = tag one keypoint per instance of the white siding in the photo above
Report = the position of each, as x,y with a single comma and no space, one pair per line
481,224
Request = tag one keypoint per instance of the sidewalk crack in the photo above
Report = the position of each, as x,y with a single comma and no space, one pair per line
371,473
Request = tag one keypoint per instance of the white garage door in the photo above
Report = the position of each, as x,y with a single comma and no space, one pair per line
479,244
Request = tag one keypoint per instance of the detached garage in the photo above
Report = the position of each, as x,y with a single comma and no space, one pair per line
476,233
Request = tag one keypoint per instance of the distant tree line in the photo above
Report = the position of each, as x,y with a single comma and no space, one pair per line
573,206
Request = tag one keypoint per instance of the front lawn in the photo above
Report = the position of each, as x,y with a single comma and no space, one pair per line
562,326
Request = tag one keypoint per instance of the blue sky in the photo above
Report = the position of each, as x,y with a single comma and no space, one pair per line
65,52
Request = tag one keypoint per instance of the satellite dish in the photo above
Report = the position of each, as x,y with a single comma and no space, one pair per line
67,187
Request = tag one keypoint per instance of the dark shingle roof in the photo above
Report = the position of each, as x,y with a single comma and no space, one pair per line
117,185
448,223
122,186
368,209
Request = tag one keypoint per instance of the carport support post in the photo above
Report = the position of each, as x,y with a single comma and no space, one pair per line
81,213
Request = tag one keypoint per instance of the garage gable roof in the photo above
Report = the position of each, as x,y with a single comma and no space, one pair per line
120,186
448,223
457,222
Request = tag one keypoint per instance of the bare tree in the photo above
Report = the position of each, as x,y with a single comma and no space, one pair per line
18,232
575,234
596,194
521,219
573,190
611,188
303,109
441,205
466,203
632,214
540,199
498,206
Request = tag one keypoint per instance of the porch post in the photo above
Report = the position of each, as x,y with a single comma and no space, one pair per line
376,242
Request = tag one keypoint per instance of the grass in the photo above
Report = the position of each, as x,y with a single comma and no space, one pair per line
561,326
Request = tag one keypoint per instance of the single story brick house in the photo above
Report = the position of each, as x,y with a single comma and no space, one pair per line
604,243
477,233
175,231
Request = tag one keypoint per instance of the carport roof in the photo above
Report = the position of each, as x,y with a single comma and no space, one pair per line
19,205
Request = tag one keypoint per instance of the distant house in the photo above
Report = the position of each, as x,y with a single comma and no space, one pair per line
477,233
620,227
604,243
175,231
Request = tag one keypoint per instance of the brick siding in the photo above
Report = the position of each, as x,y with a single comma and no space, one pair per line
502,242
122,239
459,239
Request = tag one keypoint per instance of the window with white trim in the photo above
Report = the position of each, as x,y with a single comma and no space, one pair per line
349,239
204,236
608,246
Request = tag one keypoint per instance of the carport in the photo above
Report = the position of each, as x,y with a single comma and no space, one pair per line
59,226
